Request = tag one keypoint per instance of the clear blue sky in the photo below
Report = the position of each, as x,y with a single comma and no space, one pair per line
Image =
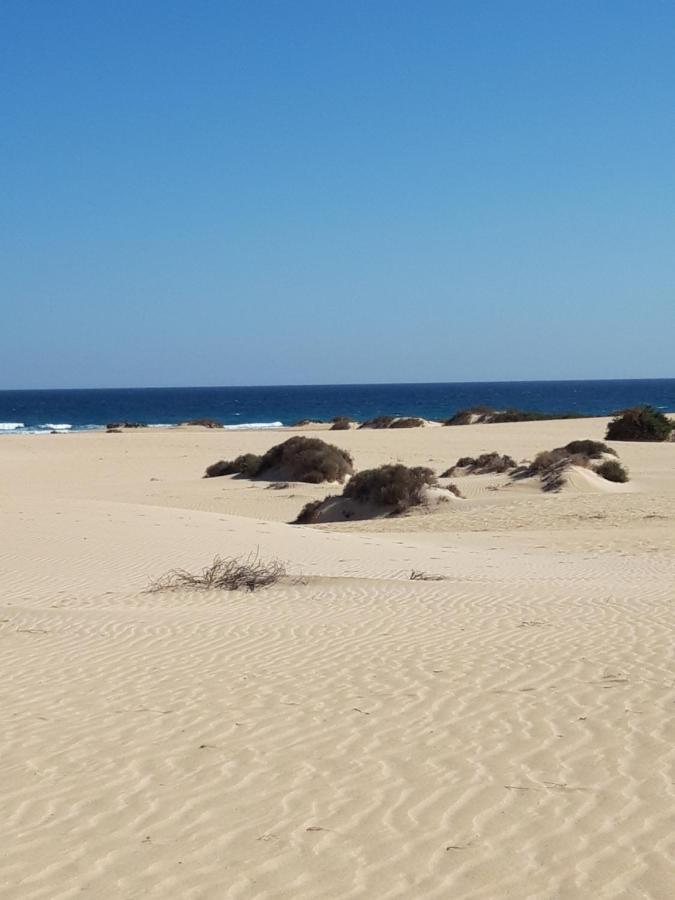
303,192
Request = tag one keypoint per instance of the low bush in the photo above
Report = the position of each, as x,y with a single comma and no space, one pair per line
298,459
643,423
229,574
247,465
408,422
114,426
205,423
588,448
395,485
454,490
612,470
341,423
309,512
301,423
486,463
378,422
486,415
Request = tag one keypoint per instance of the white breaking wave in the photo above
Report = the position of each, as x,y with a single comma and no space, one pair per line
58,427
253,425
10,426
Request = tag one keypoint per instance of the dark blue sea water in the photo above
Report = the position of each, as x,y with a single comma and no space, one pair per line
22,411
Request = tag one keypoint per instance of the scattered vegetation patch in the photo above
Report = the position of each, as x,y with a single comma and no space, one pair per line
205,423
378,422
309,514
408,422
225,574
116,426
416,575
247,465
277,486
588,448
341,423
454,490
642,423
396,486
481,415
486,463
298,459
612,470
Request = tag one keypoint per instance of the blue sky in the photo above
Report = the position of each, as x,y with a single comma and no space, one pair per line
304,192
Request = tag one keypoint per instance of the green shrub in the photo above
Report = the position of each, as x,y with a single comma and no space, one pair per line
612,470
643,423
395,485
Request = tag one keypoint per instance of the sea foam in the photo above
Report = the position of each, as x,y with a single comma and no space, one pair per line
10,426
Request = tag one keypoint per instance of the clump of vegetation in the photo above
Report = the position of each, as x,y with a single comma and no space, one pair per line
394,485
116,426
277,486
205,423
298,459
229,574
417,575
486,463
454,490
481,415
302,423
378,422
588,448
612,470
408,422
309,513
247,465
341,423
643,423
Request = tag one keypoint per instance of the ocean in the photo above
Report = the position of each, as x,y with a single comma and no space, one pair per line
244,407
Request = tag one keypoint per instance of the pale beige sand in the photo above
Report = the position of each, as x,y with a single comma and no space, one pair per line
505,733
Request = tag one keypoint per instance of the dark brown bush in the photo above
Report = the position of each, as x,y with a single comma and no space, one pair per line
408,422
466,416
230,574
486,463
205,423
378,422
301,423
643,423
112,426
308,459
247,465
309,512
341,423
591,449
454,490
396,486
612,470
298,459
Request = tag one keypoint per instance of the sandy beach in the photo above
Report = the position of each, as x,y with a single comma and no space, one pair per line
506,732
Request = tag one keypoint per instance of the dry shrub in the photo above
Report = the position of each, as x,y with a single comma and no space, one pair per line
298,459
643,423
612,470
486,463
408,422
205,423
416,575
588,448
341,423
277,486
378,422
467,416
246,465
395,485
228,574
454,490
309,512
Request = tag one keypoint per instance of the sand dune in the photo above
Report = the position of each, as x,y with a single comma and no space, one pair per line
504,732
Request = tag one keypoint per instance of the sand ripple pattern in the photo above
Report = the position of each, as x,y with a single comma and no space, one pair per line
340,739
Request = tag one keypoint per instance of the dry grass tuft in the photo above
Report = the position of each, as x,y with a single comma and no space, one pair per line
416,575
224,574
